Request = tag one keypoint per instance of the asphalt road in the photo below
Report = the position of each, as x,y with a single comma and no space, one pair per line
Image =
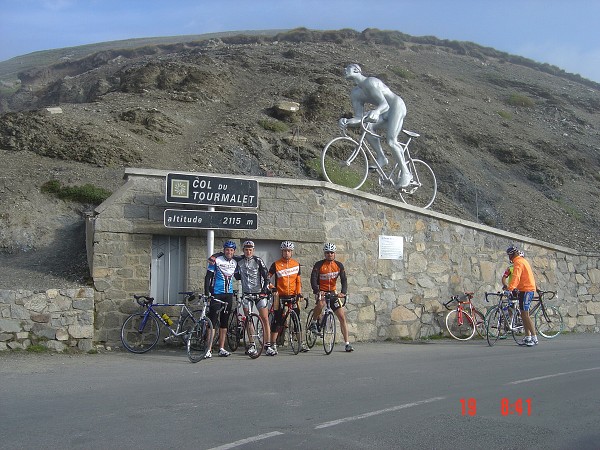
382,396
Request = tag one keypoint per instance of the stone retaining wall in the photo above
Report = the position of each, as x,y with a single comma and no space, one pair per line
389,299
57,319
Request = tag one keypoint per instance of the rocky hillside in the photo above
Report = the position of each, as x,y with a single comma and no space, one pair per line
514,144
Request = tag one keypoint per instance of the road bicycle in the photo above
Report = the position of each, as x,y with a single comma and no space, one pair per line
248,328
347,161
548,320
290,329
199,341
325,326
141,330
463,321
505,317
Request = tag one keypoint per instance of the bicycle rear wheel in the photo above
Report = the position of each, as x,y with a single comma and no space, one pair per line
140,332
254,334
294,332
423,190
480,323
518,330
460,328
549,322
188,324
311,336
233,331
343,162
328,332
199,343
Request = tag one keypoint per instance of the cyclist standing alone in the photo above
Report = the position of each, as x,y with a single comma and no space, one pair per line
522,279
323,279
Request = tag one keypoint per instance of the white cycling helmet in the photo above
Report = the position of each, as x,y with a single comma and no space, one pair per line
287,245
248,244
329,247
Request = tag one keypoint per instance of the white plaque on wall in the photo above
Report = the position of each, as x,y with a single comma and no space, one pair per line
391,247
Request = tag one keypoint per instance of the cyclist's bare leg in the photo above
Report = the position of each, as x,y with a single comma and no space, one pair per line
263,313
318,309
343,325
527,323
222,336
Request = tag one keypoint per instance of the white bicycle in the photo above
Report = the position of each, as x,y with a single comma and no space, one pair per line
347,162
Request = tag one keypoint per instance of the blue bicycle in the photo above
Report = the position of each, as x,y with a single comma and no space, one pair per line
141,330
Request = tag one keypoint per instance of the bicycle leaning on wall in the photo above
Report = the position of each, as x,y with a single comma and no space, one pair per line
141,330
347,161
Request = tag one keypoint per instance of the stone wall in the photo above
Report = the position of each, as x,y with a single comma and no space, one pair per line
389,299
56,319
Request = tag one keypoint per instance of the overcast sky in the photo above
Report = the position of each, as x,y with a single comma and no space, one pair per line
562,33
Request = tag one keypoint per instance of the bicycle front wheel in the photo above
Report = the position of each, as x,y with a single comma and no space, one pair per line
460,326
549,322
254,334
198,343
328,332
188,324
140,332
233,336
311,336
344,162
422,191
494,325
294,332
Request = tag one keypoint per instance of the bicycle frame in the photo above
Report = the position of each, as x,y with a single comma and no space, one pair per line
177,332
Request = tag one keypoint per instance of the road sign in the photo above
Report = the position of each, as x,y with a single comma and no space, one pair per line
190,189
180,218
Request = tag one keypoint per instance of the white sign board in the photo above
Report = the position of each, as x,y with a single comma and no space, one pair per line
391,247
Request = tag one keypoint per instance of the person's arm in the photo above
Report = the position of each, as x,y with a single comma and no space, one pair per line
314,277
264,275
208,282
343,278
516,275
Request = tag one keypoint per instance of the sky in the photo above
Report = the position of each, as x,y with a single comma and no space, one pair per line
563,33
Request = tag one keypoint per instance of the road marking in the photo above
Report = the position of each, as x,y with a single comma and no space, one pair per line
560,374
375,413
260,437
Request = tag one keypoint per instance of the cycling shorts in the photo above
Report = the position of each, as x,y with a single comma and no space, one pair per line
260,303
334,304
215,306
278,313
525,299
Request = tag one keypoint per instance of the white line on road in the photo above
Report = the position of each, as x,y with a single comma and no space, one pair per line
560,374
260,437
375,413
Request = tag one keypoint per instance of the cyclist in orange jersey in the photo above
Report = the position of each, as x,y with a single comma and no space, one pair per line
323,278
522,280
288,285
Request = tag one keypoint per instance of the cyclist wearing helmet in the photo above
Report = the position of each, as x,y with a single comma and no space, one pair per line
252,272
323,279
523,281
288,285
218,282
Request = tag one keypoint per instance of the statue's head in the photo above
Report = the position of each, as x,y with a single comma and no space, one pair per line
351,70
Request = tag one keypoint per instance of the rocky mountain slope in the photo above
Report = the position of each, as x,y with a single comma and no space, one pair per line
514,144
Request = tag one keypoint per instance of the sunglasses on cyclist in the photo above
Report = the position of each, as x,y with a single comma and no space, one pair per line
329,253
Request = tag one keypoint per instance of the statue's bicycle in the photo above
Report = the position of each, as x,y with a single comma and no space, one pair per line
347,161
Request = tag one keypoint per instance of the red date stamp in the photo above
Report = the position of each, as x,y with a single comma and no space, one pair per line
519,407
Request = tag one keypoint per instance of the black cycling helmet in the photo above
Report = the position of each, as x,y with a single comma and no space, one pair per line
512,250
